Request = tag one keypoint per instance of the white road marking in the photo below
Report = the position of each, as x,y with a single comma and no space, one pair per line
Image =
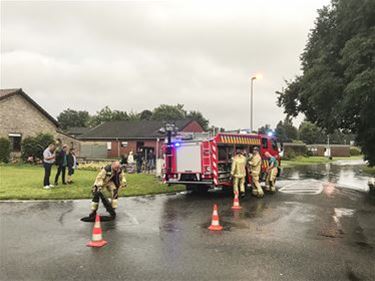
341,212
303,187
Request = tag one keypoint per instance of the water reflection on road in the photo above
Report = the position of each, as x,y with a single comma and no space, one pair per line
344,174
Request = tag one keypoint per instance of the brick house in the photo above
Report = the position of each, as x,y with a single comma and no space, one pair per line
21,117
120,137
337,150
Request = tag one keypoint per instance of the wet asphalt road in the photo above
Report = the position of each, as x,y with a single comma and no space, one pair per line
319,226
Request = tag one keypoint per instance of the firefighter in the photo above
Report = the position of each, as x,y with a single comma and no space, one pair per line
112,178
255,165
238,172
271,172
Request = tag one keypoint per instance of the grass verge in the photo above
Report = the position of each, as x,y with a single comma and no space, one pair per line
301,160
369,170
25,182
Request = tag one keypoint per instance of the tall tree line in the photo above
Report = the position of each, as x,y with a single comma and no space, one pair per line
336,87
307,132
77,118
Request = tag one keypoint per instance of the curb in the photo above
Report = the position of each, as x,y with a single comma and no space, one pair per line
85,199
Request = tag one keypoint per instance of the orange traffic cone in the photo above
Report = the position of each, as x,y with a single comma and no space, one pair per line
97,239
215,224
236,202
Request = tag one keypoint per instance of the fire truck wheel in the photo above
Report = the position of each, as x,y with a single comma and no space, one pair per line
197,188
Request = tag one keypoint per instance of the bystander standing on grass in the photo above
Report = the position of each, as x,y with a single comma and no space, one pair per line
62,163
71,163
48,160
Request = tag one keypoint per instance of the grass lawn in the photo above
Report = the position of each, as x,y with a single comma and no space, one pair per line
369,170
25,182
301,160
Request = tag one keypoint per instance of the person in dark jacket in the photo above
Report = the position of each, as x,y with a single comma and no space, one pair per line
151,161
139,159
62,163
72,164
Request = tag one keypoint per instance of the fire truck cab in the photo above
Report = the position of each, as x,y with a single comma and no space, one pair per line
202,163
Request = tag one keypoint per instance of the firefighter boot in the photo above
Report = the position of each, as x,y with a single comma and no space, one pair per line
273,188
260,192
90,218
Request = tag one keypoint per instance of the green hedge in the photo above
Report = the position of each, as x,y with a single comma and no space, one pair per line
355,151
4,150
34,146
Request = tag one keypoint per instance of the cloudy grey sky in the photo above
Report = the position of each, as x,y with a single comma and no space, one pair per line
134,55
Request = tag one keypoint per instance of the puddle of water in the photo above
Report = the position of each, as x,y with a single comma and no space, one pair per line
344,174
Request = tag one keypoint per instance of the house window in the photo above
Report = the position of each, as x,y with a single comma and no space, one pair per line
109,145
15,142
124,144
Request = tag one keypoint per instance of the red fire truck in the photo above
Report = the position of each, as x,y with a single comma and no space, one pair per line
201,163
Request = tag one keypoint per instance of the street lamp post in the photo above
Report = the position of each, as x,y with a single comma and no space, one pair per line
258,76
251,102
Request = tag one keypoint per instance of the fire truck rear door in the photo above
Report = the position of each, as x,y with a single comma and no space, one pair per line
188,156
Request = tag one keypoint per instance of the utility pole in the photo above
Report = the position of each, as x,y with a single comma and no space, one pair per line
258,76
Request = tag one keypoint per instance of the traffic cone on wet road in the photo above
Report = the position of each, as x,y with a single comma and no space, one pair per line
97,239
236,202
215,224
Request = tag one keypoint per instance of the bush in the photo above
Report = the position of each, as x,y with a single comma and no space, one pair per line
4,150
34,146
289,155
354,151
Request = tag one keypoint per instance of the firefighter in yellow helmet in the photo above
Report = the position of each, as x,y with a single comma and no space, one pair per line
112,178
255,165
238,172
271,172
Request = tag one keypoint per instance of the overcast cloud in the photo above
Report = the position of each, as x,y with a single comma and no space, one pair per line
135,55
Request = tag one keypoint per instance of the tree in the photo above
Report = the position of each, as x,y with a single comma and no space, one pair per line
166,112
265,129
145,115
309,133
34,146
285,131
133,116
336,88
73,118
198,116
4,150
106,114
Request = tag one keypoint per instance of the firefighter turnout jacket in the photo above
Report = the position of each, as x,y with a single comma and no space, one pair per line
238,166
107,176
255,164
111,180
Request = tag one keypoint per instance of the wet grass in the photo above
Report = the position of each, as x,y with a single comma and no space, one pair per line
301,160
369,170
25,182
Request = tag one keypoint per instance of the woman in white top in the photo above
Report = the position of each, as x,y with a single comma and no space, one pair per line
48,160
